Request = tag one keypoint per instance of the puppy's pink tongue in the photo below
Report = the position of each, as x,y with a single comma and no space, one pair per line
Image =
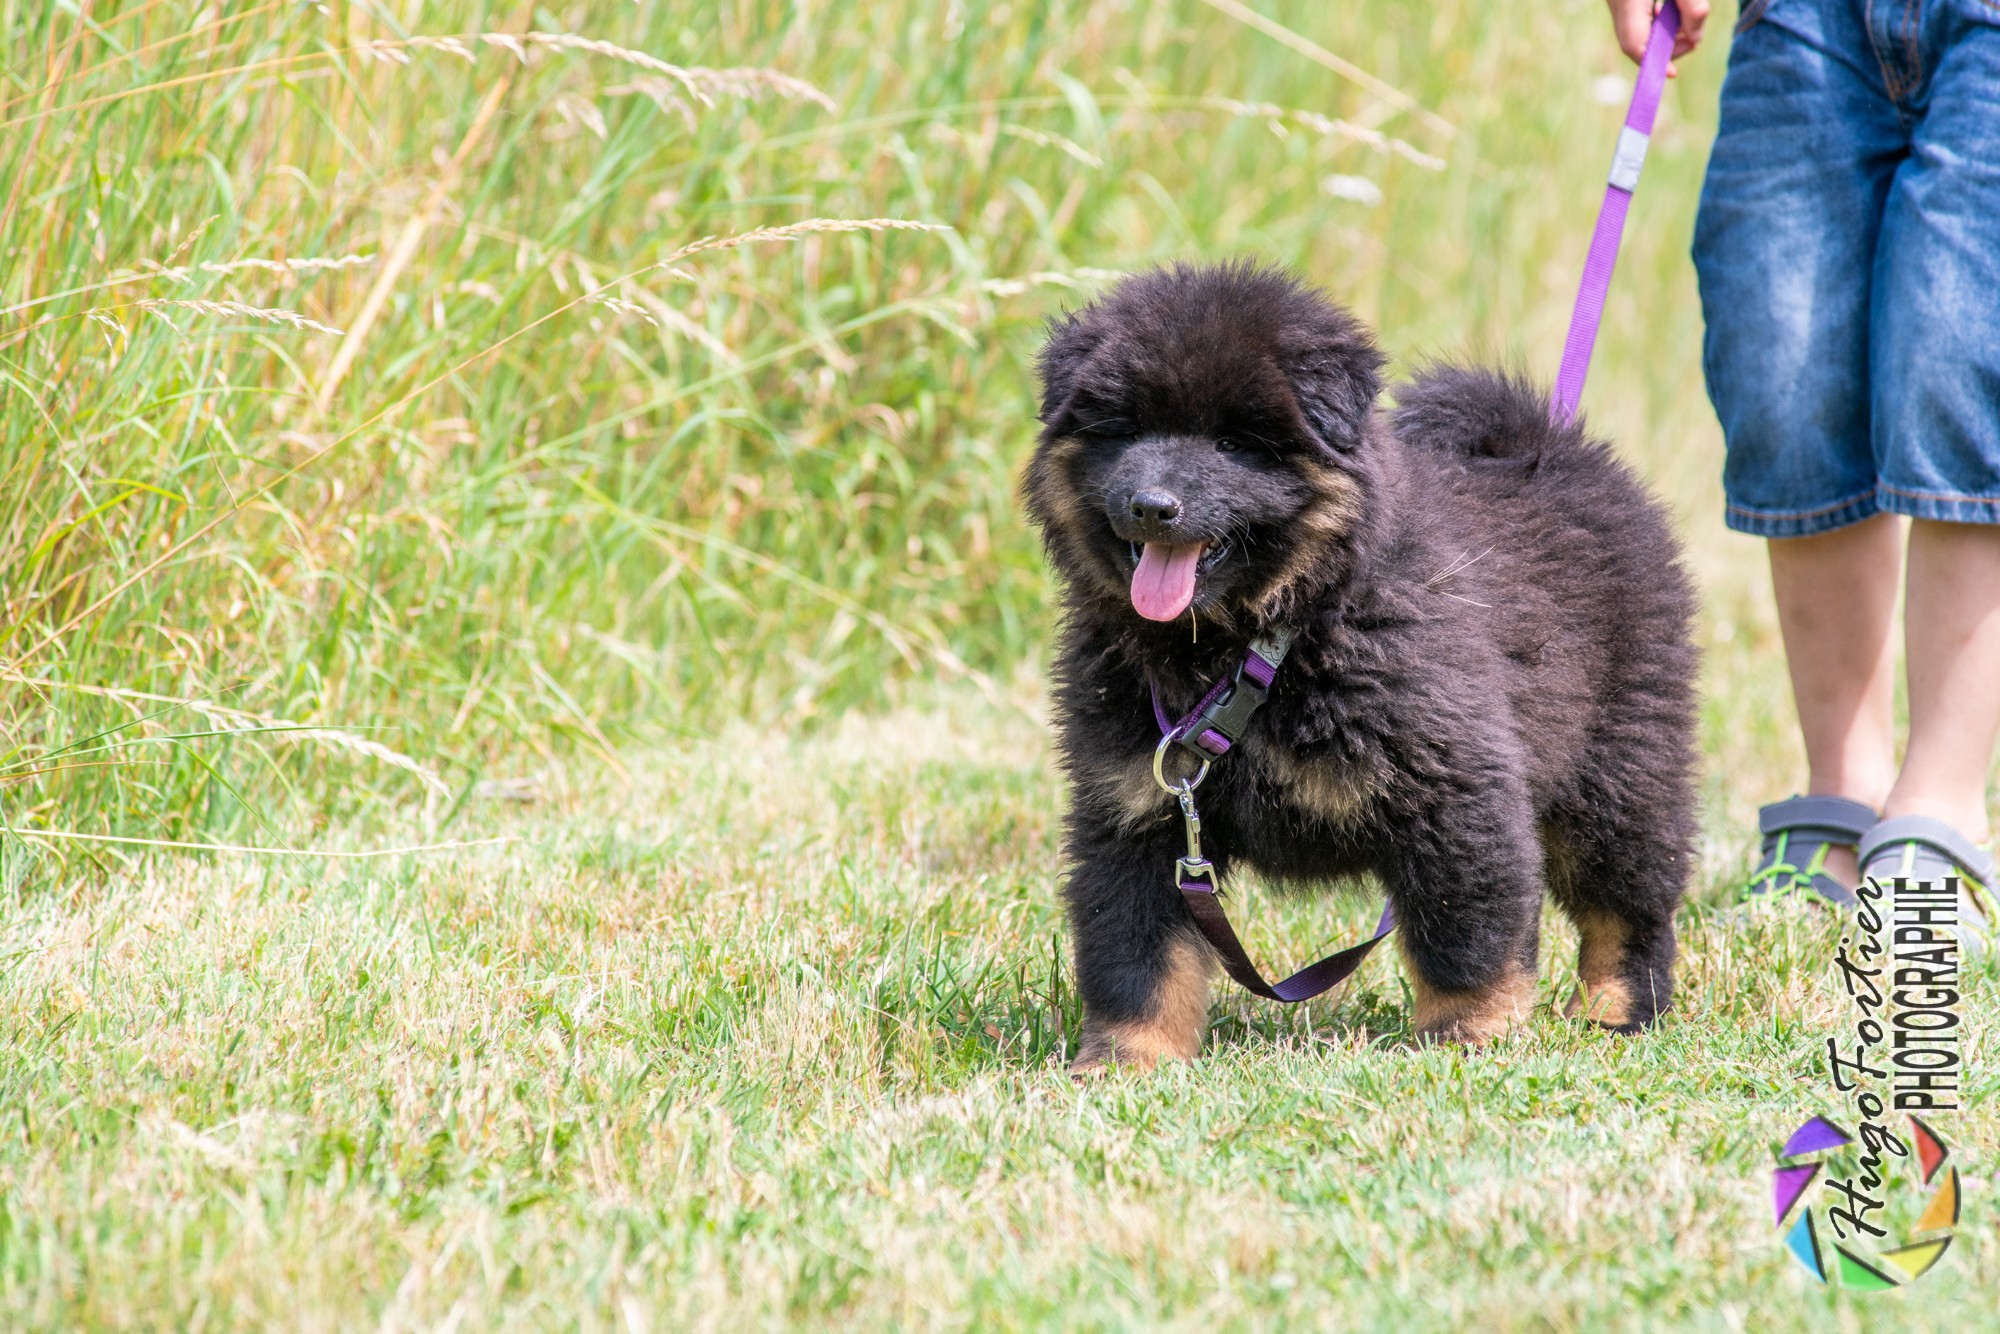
1163,585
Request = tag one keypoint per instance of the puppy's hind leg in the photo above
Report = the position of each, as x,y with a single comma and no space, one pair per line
1142,969
1467,885
1621,890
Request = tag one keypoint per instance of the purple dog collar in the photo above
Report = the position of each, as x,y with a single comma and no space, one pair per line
1218,722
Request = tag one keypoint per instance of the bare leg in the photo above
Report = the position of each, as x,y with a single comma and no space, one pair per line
1952,656
1836,601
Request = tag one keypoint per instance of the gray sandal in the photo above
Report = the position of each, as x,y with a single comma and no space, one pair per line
1918,848
1798,831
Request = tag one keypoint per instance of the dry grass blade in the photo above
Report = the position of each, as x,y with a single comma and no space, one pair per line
282,268
270,315
50,85
1076,280
185,845
790,230
285,270
1329,125
280,729
649,308
205,27
405,248
702,85
702,82
1313,51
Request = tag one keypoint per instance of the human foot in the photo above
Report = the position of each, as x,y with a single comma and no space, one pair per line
1914,849
1810,846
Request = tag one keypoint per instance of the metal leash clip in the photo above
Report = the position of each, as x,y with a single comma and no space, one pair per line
1194,866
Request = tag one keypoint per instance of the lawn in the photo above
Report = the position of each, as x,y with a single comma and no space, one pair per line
773,1036
490,429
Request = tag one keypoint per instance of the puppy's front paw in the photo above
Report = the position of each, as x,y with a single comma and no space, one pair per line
1173,1026
1137,1047
1474,1017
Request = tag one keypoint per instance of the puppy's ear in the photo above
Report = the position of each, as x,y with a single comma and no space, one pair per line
1071,340
1336,372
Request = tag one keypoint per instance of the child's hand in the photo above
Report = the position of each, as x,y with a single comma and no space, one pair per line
1633,19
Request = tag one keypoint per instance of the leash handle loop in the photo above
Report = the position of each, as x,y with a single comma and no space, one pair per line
1610,231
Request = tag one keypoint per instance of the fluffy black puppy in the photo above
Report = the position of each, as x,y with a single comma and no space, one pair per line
1492,689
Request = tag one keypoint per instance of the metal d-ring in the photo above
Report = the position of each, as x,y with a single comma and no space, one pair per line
1160,774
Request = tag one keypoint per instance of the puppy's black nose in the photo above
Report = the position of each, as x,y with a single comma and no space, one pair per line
1152,507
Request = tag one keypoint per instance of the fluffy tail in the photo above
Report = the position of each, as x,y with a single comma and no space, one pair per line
1480,414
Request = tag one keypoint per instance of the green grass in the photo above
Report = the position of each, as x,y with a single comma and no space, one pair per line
759,1020
774,1039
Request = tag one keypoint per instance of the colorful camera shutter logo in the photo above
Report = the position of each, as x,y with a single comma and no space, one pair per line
1816,1139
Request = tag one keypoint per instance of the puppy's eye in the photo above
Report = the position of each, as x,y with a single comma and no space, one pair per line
1225,445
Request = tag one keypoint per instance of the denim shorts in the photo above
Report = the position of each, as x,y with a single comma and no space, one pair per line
1848,249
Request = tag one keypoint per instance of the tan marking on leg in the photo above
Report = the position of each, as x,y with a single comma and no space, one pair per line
1604,996
1173,1031
1475,1016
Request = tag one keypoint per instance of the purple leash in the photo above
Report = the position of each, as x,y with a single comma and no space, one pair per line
1603,257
